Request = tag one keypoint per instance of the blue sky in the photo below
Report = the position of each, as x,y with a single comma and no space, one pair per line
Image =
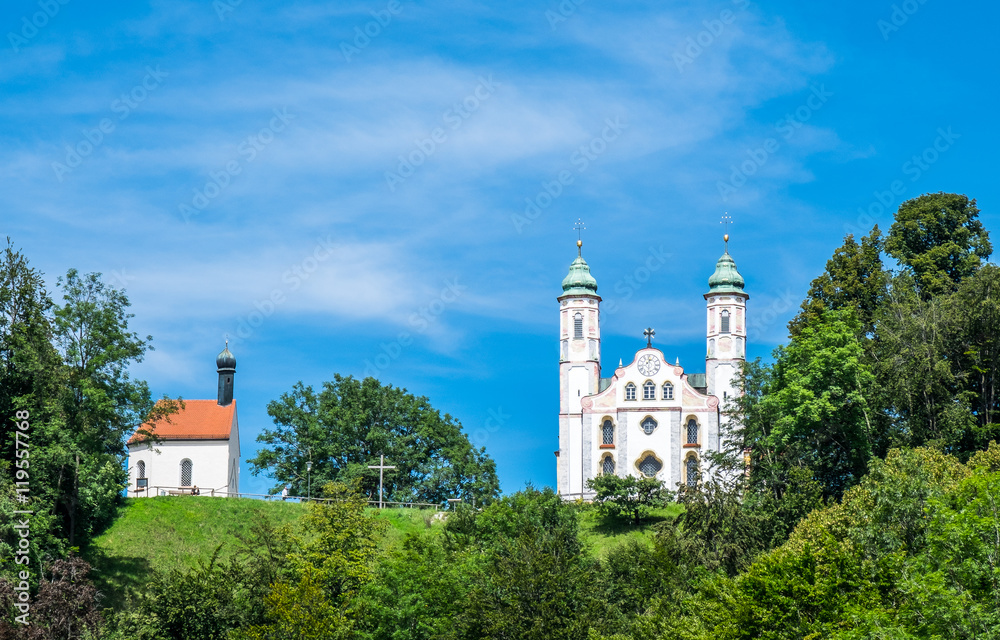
391,187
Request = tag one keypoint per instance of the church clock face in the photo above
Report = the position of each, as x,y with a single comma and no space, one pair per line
648,365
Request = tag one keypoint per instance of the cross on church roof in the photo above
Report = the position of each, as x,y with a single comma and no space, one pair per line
726,220
649,334
580,228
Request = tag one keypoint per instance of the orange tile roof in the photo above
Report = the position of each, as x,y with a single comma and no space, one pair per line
198,420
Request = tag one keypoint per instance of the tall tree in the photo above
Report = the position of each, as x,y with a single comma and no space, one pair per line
346,427
812,409
979,299
101,402
936,360
31,382
940,238
854,279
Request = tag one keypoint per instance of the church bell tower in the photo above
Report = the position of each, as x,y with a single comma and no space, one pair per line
579,367
726,303
226,366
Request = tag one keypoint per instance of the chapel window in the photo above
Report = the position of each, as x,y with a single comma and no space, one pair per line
650,466
578,325
607,432
630,391
648,425
692,471
140,469
649,390
608,467
725,321
692,431
186,470
668,391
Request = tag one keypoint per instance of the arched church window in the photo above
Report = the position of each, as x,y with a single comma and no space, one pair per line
692,471
630,391
692,431
607,432
725,321
668,391
649,390
140,469
578,325
186,471
648,425
650,466
608,467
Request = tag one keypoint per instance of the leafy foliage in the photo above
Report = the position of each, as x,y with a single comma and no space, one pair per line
65,605
939,237
627,497
346,426
854,280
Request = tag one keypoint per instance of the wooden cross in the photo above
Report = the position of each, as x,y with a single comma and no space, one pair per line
381,470
649,334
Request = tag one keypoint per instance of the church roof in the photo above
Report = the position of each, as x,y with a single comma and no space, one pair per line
226,359
198,420
726,278
579,281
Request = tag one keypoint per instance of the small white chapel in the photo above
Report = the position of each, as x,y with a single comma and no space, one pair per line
198,448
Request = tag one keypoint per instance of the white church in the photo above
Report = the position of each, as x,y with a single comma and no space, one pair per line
199,448
650,418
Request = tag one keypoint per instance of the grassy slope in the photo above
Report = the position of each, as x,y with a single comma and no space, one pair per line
178,532
164,533
600,535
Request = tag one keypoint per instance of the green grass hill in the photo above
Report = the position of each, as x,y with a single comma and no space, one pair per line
178,532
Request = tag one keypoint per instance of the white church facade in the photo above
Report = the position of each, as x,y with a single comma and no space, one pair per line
198,449
651,418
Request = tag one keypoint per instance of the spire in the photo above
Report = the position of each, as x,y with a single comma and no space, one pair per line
226,365
726,278
579,281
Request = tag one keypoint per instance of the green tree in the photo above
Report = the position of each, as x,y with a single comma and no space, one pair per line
854,279
627,497
420,588
535,578
940,238
101,403
910,552
31,382
346,426
812,409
